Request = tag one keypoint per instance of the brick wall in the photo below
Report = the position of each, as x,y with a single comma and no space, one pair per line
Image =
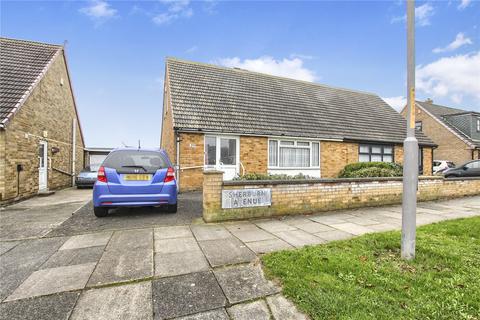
191,155
254,154
334,156
49,108
305,197
450,147
167,139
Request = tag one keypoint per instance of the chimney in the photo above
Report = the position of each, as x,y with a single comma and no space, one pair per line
429,100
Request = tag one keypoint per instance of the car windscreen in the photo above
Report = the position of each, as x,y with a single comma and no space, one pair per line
135,161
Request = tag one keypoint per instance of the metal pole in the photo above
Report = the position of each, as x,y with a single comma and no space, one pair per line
410,146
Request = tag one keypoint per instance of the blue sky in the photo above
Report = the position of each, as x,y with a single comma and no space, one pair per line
116,50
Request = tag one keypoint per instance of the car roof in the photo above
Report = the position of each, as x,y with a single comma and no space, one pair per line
138,149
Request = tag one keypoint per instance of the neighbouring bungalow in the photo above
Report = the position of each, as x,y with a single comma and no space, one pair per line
455,131
41,141
240,122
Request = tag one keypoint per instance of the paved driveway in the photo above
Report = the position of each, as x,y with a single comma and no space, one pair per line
189,271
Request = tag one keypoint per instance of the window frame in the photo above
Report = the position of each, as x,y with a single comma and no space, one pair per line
382,152
478,124
421,126
295,146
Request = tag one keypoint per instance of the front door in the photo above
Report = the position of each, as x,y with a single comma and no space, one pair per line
222,153
42,166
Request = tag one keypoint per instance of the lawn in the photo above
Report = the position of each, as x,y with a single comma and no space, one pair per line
364,278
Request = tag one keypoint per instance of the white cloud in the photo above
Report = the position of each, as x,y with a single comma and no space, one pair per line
191,49
396,102
99,10
290,68
459,41
423,14
454,77
463,4
176,9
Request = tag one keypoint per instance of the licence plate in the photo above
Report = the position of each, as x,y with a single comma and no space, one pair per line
137,177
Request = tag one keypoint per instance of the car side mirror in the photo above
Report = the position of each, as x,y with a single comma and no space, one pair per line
465,168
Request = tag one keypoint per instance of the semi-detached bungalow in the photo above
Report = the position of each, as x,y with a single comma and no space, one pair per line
239,122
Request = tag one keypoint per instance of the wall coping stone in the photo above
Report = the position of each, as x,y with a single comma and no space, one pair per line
335,180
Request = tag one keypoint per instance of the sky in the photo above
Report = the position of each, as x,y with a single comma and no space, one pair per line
116,50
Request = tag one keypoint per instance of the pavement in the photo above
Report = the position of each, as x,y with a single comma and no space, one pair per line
151,270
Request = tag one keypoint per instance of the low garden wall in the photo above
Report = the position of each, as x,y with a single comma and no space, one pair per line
290,197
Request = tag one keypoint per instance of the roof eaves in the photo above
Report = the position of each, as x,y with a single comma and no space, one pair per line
30,89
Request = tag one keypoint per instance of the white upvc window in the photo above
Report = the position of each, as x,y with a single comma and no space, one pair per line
293,154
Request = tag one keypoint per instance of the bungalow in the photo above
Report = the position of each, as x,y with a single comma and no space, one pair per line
41,141
455,131
240,122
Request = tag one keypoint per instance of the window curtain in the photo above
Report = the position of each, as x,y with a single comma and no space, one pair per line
294,157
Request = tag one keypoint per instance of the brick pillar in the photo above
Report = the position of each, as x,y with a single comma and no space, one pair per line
212,194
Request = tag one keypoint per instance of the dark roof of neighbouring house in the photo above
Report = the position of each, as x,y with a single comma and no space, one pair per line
22,65
439,112
218,99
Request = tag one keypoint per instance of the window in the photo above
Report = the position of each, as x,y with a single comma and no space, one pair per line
293,154
478,125
210,151
377,153
420,160
418,125
228,151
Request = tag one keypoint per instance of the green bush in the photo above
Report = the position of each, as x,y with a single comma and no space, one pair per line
371,170
261,176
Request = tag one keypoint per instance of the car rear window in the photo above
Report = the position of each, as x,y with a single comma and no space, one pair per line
138,161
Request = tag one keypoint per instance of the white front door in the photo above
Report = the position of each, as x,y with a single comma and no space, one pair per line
42,167
223,153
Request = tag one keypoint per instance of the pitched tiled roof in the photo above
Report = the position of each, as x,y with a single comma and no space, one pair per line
439,111
210,98
22,64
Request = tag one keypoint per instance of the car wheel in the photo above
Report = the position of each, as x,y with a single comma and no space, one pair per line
172,208
100,212
79,187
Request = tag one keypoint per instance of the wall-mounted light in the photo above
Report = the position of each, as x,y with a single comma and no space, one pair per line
55,150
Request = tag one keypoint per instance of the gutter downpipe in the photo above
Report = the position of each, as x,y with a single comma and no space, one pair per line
177,139
74,141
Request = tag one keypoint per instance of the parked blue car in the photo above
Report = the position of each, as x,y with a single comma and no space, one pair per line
134,178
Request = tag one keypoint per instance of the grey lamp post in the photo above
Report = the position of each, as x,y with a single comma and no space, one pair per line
410,147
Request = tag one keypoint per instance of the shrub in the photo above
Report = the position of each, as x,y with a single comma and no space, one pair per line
371,170
262,176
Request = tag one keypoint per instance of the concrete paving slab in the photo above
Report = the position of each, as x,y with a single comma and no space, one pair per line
56,306
256,310
210,232
362,221
266,246
244,282
173,264
128,256
299,238
172,232
283,309
74,256
334,235
7,246
53,280
176,245
313,227
226,251
253,235
18,263
382,227
218,314
328,220
352,228
131,301
274,225
87,240
240,226
186,295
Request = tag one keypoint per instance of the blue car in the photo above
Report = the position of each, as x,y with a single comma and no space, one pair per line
134,178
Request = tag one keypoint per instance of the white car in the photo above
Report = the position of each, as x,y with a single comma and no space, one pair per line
441,165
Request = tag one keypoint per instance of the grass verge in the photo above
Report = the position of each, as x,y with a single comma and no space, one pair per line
364,278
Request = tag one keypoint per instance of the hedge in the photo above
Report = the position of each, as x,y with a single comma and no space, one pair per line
371,170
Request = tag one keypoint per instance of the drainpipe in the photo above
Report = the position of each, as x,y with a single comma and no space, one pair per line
74,141
177,139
